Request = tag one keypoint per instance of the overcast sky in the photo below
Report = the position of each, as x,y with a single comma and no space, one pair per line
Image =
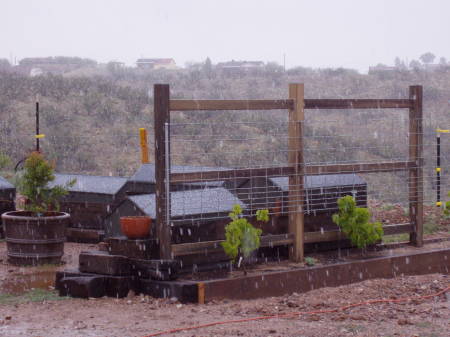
312,33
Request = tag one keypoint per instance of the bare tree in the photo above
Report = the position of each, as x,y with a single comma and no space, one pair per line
427,58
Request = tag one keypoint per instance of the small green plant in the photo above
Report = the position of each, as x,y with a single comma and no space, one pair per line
310,261
354,222
387,207
241,238
33,295
5,161
32,182
447,208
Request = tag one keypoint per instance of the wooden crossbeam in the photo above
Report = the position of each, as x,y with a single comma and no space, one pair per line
358,103
176,178
193,105
183,249
315,237
203,247
280,104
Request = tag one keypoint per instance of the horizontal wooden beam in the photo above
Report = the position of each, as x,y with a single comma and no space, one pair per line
358,103
176,178
187,105
279,104
359,168
203,247
230,174
315,237
398,229
183,249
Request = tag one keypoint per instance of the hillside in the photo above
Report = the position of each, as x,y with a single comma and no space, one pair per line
91,118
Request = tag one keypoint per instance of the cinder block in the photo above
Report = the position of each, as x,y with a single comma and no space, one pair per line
68,273
164,270
119,286
98,262
135,249
82,235
184,291
82,286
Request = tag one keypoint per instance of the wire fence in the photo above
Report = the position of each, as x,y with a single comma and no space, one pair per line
208,140
260,139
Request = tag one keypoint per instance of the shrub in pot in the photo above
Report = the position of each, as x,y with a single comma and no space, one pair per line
36,235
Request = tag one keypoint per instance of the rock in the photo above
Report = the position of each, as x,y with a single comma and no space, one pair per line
403,321
79,325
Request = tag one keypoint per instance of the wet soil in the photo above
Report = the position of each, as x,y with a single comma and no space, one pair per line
142,315
17,280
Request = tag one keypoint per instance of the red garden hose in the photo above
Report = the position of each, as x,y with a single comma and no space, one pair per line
298,313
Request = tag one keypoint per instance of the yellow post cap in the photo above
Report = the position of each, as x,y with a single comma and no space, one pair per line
442,130
439,203
438,169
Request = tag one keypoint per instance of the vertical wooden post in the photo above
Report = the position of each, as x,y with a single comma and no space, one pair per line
296,181
416,174
162,116
144,146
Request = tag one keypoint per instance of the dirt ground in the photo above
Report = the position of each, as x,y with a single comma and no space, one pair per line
29,306
140,316
28,311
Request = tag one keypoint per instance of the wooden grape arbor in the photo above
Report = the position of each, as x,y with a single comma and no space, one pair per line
296,170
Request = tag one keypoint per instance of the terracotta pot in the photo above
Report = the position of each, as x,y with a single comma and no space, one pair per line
135,227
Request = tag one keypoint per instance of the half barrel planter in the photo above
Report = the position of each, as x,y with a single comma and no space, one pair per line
33,240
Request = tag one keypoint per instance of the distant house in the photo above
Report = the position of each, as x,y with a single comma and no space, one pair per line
156,64
381,68
36,72
54,65
240,65
115,65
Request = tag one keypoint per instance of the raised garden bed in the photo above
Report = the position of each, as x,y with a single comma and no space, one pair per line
270,279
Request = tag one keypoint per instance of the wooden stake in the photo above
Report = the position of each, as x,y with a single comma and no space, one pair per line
162,116
144,146
416,174
201,293
296,188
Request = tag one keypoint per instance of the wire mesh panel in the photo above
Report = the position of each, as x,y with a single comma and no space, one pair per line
258,156
210,141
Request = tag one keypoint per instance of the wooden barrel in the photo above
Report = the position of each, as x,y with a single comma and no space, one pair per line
33,240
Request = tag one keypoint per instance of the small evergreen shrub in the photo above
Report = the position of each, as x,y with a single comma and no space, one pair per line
310,261
32,182
447,208
354,222
241,238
